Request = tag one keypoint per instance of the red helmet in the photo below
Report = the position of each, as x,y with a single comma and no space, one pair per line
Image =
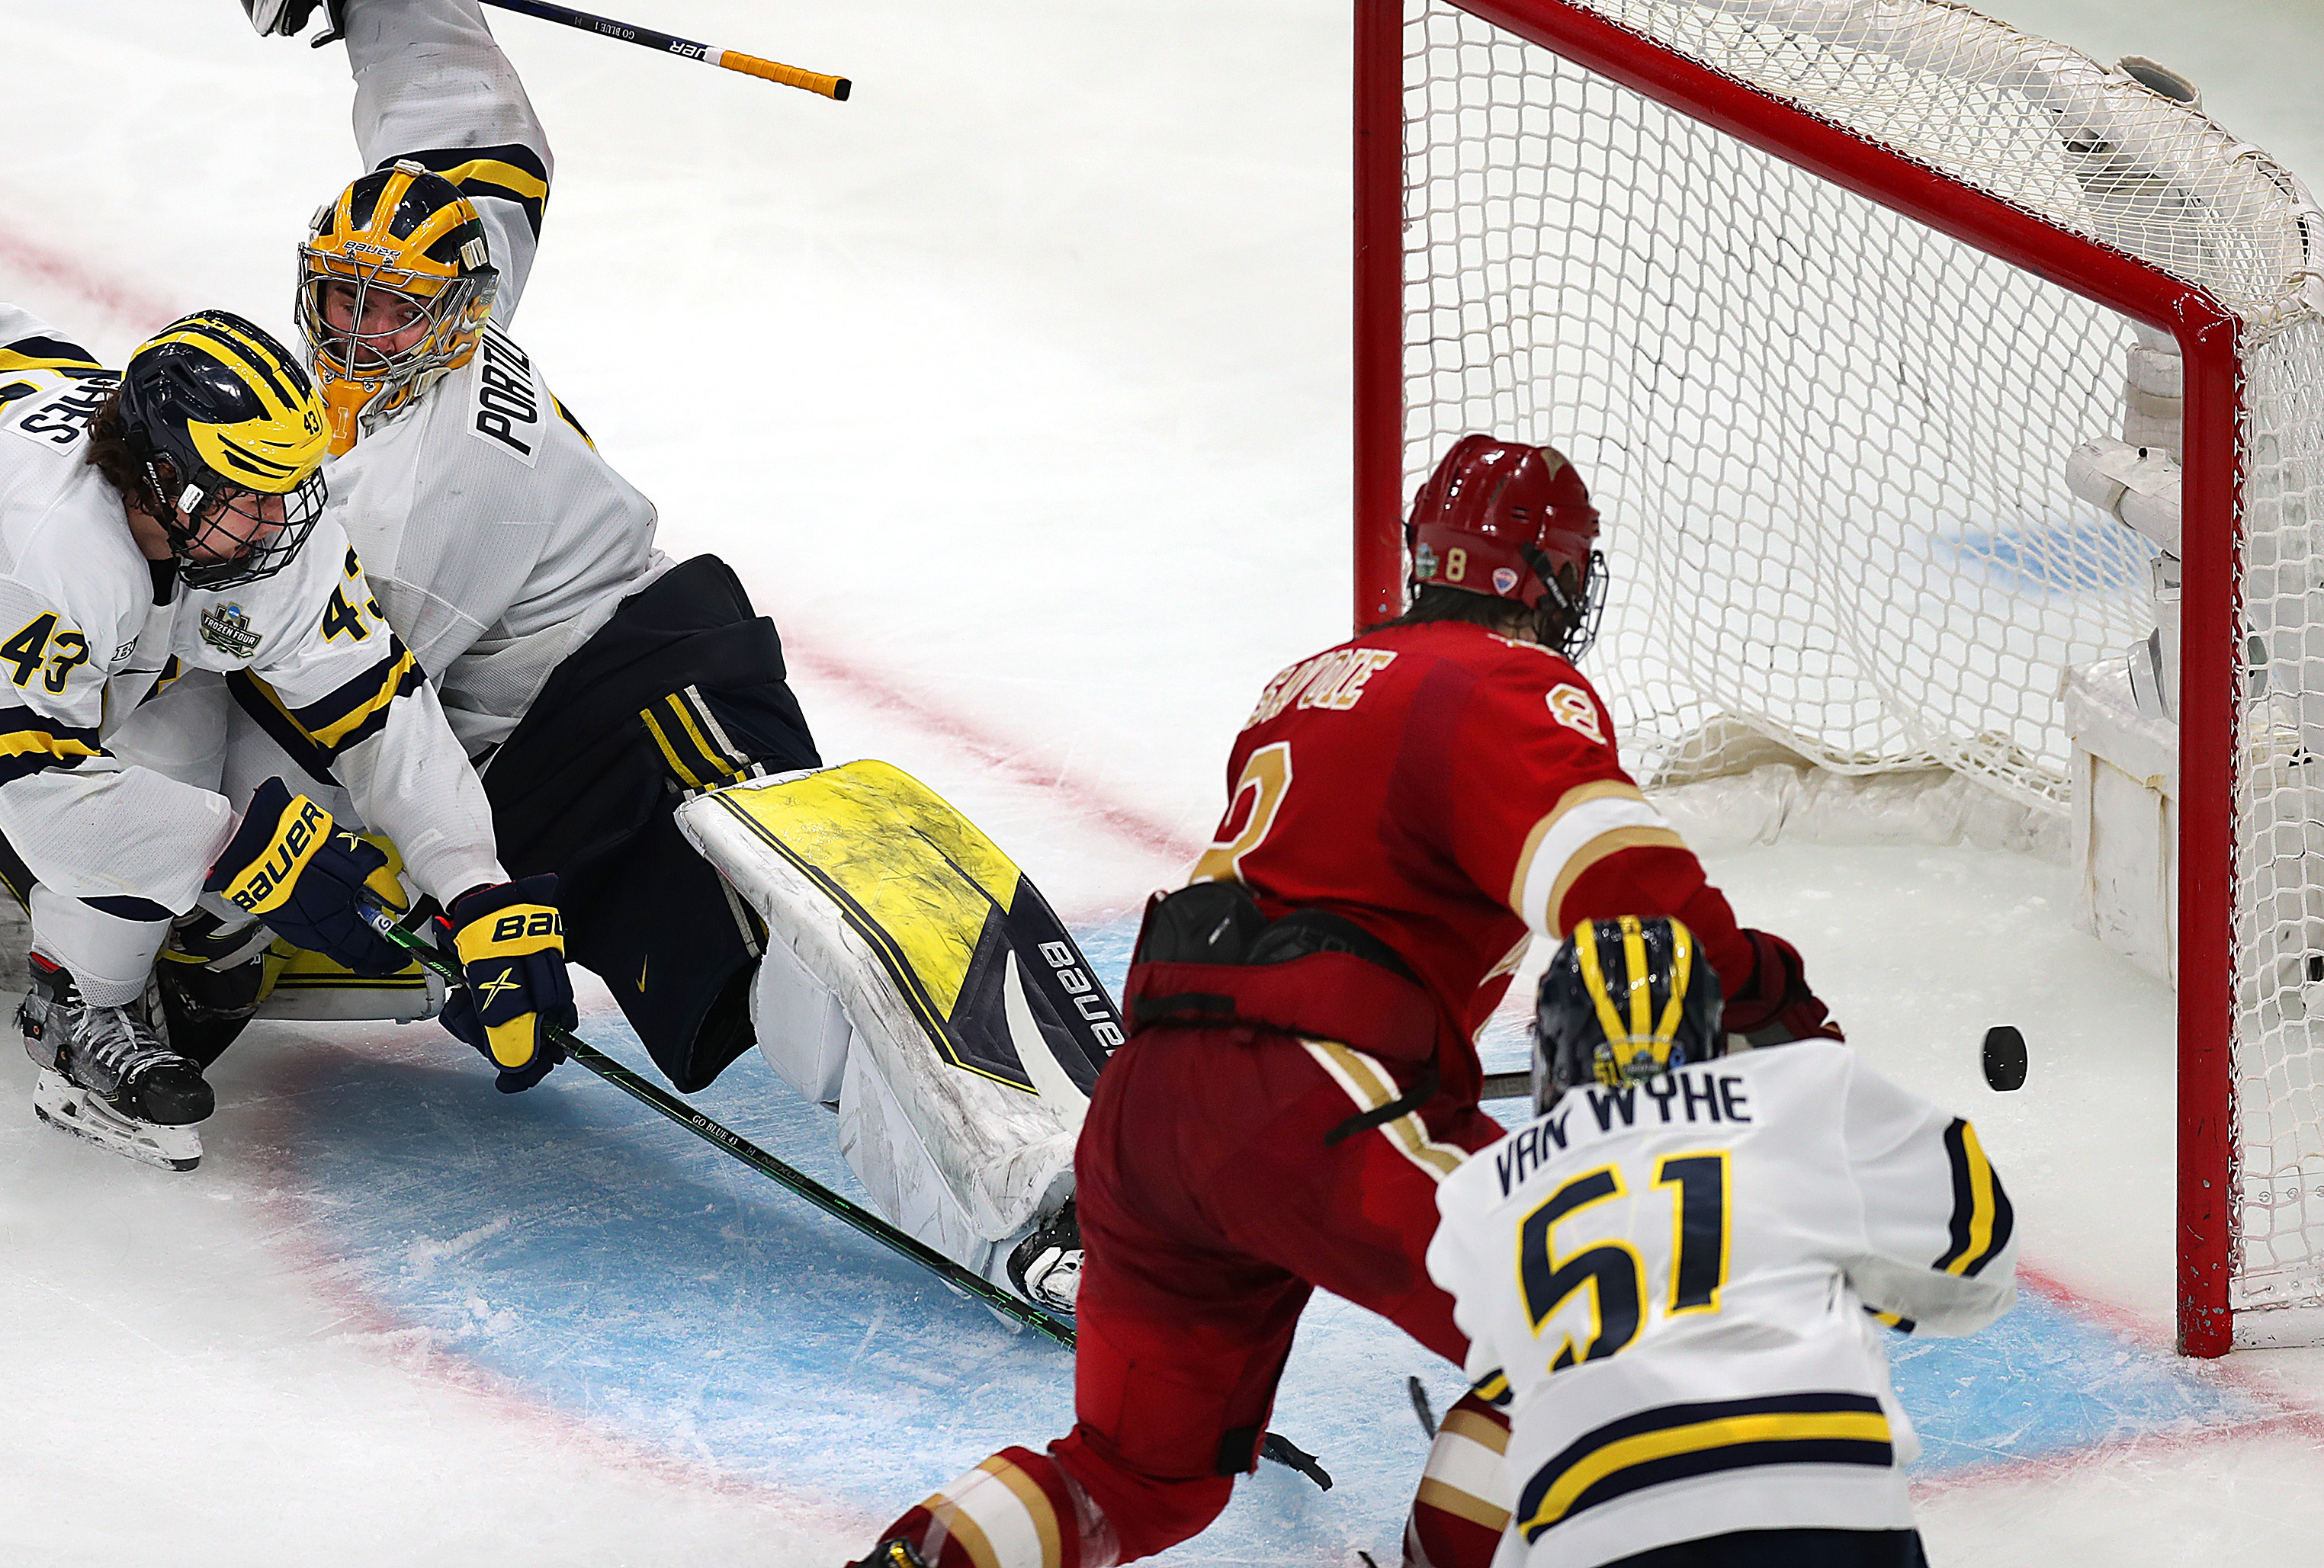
1492,511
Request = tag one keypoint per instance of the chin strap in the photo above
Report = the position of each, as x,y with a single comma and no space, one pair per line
1577,617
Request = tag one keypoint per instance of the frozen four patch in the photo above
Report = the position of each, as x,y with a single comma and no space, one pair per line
226,629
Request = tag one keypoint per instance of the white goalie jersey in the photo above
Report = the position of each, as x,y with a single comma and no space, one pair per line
497,539
1671,1290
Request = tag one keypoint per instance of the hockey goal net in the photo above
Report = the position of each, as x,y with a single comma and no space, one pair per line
1820,295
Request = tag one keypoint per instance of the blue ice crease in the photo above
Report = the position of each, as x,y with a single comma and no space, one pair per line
631,1276
2077,556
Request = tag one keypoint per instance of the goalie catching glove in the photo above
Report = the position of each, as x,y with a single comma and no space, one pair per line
511,945
289,866
1774,1004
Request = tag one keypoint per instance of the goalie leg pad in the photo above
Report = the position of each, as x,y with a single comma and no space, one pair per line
801,1026
976,1029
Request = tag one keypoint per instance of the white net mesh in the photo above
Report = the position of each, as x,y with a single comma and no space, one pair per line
1829,443
2279,853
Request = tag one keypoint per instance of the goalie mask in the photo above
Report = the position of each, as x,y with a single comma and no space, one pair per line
1501,518
228,431
1624,1001
395,285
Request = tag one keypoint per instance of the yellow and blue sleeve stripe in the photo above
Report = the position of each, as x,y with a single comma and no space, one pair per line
318,733
31,741
511,172
1675,1442
49,354
1982,1219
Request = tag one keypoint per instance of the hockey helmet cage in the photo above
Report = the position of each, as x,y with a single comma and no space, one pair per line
406,231
1500,518
217,412
1624,1001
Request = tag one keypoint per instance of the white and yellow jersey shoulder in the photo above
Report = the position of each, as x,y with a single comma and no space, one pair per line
1672,1289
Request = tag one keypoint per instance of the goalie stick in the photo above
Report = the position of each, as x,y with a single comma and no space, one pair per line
960,1280
1274,1447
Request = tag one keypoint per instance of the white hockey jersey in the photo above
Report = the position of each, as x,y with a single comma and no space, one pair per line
498,540
89,630
1669,1288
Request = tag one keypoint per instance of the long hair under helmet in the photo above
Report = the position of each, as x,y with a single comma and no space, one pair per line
216,412
1500,518
406,231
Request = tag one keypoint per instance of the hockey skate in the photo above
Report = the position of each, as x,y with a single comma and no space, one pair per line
106,1078
1045,1266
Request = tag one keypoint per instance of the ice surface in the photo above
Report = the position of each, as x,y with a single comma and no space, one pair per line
1016,389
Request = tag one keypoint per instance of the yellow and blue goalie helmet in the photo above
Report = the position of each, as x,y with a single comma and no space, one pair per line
1624,1001
395,285
224,420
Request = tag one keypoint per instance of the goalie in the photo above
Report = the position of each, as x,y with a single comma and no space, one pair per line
598,686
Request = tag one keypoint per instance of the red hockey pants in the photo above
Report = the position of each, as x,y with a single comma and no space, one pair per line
1211,1206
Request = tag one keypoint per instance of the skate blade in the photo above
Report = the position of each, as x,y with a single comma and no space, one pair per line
69,1108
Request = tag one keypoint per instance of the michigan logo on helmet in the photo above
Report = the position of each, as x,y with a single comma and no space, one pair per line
395,285
1505,518
228,430
1624,1001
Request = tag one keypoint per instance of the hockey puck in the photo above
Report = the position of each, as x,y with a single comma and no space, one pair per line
2005,1058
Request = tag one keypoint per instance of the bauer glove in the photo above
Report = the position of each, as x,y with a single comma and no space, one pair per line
1773,1002
289,867
511,945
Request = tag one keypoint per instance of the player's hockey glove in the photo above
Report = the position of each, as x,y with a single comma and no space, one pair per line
1773,1001
288,865
511,944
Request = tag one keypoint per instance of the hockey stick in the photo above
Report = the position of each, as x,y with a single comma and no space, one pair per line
789,76
1274,1447
962,1280
1506,1086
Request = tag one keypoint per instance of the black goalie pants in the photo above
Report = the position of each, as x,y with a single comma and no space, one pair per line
683,689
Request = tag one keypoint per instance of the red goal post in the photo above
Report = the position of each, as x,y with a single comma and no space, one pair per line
1627,228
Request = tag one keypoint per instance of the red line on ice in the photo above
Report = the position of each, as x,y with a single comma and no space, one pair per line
1125,821
116,297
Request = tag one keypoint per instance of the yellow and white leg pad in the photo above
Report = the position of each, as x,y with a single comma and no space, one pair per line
915,979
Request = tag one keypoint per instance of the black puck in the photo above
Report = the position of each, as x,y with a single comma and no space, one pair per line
2005,1058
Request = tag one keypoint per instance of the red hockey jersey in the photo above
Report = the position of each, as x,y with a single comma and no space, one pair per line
1454,792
